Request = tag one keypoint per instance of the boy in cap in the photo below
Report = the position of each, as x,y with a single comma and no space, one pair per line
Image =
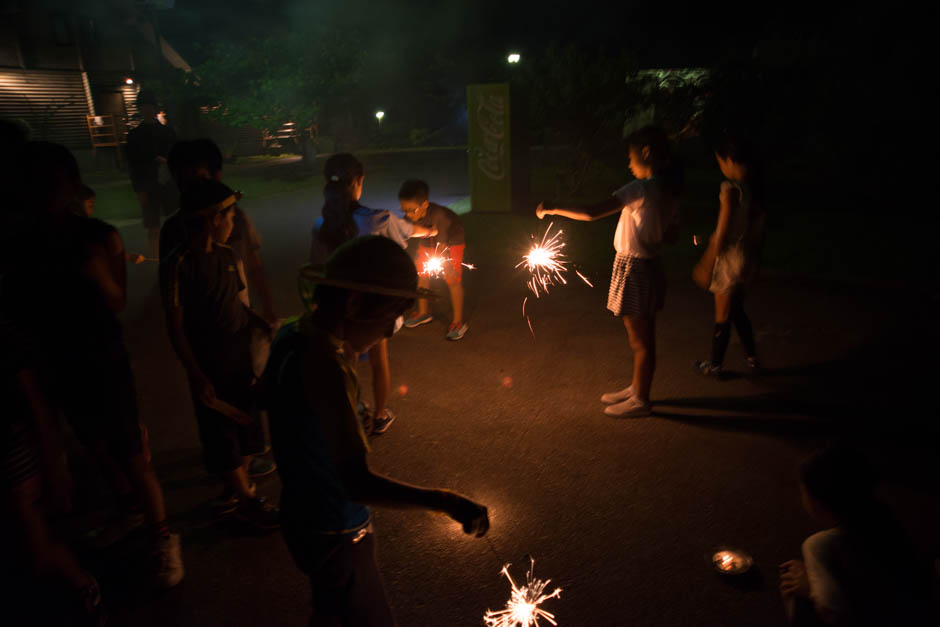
321,450
212,330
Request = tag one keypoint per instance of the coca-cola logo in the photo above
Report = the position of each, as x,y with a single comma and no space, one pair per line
491,119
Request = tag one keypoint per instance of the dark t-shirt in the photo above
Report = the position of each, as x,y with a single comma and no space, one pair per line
145,143
244,239
312,396
46,293
449,227
206,287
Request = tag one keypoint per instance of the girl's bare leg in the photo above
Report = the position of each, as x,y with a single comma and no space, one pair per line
642,334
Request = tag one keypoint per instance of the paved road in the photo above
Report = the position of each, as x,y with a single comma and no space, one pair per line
620,514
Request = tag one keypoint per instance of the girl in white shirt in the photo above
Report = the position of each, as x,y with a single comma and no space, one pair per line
649,216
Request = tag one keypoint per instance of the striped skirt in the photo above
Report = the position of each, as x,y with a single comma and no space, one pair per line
637,287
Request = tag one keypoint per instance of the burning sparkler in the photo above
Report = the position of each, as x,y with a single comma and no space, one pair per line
547,263
523,609
435,264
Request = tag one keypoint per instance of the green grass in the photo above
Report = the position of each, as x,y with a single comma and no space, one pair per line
116,200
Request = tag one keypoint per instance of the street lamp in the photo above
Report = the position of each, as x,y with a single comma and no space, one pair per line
379,115
513,57
128,81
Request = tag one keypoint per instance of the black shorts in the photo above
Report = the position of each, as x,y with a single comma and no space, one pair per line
162,200
224,441
344,577
99,399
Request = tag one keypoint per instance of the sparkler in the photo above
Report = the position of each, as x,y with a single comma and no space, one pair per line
435,264
547,263
522,609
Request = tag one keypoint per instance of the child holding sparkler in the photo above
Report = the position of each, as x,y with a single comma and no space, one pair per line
730,262
320,447
649,216
213,333
343,219
449,244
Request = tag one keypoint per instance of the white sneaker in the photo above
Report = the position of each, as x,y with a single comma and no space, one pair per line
630,408
619,396
169,558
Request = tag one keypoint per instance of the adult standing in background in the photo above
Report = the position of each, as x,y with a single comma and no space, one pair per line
148,146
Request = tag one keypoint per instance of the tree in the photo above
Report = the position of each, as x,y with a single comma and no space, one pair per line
579,99
308,77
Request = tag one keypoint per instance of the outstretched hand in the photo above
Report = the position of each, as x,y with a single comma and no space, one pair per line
472,516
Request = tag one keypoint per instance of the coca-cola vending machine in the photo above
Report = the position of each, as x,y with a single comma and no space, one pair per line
497,149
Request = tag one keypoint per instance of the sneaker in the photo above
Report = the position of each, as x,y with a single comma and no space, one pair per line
380,424
617,397
415,319
114,530
630,408
455,331
708,369
257,512
260,467
169,561
226,503
753,365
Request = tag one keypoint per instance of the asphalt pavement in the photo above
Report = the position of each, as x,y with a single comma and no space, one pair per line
621,514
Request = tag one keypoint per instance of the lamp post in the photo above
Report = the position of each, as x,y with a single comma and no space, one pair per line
379,115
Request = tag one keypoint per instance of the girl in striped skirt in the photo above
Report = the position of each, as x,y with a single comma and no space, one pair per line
649,216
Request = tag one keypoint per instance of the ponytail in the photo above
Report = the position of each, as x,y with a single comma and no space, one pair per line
341,171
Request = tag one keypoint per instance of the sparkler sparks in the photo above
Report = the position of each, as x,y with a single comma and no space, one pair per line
523,609
435,264
547,263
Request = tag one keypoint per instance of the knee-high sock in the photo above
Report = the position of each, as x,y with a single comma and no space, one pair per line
720,342
743,325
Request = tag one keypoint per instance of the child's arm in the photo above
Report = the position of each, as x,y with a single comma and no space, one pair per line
727,197
364,486
243,294
99,270
424,231
201,385
584,214
260,280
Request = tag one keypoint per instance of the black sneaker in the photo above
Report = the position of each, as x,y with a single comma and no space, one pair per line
257,512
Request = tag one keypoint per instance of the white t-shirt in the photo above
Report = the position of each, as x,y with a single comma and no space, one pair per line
648,210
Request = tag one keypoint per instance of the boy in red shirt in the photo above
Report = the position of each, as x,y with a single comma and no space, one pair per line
448,243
